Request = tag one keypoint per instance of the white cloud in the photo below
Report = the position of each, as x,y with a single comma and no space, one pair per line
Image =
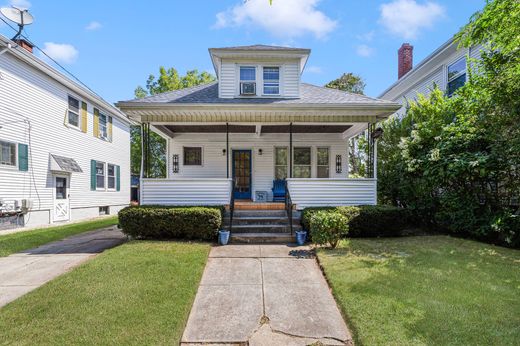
61,52
367,36
314,69
93,26
364,50
406,18
284,18
23,4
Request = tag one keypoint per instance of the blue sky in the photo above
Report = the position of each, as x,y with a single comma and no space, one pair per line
113,46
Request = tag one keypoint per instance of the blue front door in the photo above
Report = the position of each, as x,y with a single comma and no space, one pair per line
242,173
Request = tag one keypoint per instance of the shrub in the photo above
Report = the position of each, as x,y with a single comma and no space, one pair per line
162,222
328,227
367,220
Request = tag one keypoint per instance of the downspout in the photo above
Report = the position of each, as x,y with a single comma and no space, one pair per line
290,151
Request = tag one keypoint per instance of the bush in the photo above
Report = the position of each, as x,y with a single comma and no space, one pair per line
367,220
328,227
162,222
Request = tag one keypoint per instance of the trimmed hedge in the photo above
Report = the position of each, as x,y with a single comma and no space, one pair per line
162,222
367,220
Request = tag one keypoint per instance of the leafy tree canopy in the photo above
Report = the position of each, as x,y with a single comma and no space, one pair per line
348,82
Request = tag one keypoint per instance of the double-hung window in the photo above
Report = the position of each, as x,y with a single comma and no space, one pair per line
247,80
7,153
271,80
322,162
103,126
100,175
73,112
302,162
111,177
280,162
456,75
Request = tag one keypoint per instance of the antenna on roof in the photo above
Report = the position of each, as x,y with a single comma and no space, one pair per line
19,16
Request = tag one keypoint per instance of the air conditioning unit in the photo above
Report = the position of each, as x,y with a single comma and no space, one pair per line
27,205
247,88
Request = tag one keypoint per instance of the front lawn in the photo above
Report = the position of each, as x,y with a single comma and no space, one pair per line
15,242
434,290
138,293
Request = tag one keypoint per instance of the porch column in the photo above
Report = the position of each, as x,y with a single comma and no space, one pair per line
290,151
227,150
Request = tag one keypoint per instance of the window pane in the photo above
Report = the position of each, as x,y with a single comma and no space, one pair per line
103,133
111,170
192,156
456,83
280,156
73,104
280,172
100,174
100,181
302,171
73,119
271,89
8,154
247,73
61,188
111,182
272,73
456,68
323,156
302,156
323,171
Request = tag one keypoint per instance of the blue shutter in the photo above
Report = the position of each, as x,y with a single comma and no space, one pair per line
118,178
93,175
23,157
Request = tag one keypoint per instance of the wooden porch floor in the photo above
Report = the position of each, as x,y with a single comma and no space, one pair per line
250,205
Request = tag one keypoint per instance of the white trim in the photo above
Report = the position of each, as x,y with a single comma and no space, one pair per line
15,166
115,177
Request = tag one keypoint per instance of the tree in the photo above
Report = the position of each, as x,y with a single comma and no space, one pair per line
168,80
348,82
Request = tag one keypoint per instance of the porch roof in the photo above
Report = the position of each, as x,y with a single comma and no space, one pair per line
202,104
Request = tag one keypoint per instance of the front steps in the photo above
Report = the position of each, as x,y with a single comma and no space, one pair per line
262,225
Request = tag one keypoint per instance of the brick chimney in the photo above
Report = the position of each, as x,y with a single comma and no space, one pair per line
24,44
404,59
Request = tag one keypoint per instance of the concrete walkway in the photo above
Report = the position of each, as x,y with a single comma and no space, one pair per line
264,295
22,272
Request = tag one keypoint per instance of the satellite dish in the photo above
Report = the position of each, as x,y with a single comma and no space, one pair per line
19,16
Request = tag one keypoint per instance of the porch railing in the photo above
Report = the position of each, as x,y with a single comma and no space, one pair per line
316,192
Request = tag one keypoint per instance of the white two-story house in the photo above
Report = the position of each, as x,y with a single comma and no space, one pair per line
64,151
255,131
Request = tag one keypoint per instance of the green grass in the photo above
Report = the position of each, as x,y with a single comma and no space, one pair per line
139,293
434,290
15,242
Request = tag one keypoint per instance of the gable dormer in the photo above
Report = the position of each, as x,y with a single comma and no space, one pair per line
259,71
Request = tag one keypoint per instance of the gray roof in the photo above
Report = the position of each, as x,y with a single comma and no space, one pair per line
260,47
208,94
67,164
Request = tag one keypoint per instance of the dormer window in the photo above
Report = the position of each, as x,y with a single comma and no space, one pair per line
247,80
271,80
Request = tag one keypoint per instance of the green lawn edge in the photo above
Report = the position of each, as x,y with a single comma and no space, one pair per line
138,293
24,240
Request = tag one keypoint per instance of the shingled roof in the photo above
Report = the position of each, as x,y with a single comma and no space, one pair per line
208,94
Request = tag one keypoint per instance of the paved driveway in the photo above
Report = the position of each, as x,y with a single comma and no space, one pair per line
24,271
264,295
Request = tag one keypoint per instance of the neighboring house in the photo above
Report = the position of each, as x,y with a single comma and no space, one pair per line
445,68
65,152
258,124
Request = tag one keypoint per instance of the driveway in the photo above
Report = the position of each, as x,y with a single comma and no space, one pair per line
22,272
264,295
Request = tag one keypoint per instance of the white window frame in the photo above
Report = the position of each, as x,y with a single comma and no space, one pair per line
111,176
287,159
15,165
272,81
240,80
452,78
201,155
104,188
318,163
310,163
77,127
106,136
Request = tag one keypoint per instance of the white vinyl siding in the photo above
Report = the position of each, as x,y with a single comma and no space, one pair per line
291,79
226,85
47,108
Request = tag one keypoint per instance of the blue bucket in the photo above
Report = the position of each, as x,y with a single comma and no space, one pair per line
300,237
223,237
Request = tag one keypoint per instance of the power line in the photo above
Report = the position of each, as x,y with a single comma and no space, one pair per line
50,58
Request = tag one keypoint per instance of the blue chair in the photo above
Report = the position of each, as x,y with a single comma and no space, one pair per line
278,190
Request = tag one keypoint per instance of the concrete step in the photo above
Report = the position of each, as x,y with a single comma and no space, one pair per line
262,220
239,205
264,228
259,238
282,213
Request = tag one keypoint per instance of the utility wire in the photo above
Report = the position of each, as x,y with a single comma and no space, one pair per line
54,61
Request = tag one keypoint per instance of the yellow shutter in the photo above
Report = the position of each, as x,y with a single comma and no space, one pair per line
96,122
110,129
84,117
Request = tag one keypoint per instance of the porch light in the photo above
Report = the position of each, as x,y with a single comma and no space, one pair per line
378,133
338,164
260,152
223,152
175,163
